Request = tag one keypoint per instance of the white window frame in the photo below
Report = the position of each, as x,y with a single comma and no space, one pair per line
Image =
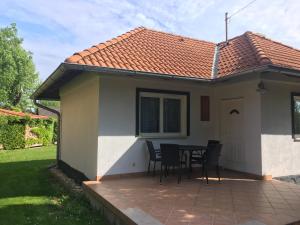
183,115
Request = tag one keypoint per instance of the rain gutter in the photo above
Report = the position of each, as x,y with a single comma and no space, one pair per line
63,67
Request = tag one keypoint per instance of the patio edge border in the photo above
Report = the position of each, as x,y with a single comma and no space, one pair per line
120,176
114,215
111,213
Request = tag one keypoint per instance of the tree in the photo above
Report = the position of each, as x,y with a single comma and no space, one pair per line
18,77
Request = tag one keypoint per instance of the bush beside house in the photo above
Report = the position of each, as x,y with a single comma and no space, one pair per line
20,130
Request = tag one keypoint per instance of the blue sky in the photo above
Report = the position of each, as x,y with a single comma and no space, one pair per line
53,30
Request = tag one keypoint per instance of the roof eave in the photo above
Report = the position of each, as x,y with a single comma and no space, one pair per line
64,67
58,72
284,70
240,73
260,69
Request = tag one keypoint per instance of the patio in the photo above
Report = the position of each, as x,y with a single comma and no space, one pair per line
237,200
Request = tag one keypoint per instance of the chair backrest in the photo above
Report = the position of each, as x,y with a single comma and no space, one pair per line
151,150
213,154
170,154
212,142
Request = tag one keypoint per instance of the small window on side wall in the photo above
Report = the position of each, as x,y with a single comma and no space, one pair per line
295,106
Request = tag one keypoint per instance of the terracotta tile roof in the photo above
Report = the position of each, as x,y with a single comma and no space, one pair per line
151,51
251,50
277,53
6,112
147,50
236,56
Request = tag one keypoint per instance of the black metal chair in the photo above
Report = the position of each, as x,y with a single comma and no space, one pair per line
170,157
196,157
211,160
154,155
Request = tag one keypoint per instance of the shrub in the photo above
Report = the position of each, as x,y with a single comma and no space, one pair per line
12,136
12,131
33,141
44,134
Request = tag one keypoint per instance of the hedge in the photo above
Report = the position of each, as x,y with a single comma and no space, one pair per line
12,136
12,132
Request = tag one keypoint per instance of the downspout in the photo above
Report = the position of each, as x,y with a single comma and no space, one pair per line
58,127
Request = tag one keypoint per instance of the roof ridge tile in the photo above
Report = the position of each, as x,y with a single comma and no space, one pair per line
179,36
74,58
259,53
276,42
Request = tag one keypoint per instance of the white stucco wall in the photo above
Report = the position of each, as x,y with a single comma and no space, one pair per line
79,131
250,161
98,124
280,153
119,150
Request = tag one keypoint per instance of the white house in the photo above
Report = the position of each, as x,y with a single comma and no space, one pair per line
147,84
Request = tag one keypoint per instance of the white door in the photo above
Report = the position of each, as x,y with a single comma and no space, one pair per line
232,134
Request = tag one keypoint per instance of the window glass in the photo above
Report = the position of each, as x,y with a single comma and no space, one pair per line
172,115
149,115
296,112
161,113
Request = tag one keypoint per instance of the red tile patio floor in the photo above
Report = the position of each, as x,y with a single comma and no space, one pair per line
236,200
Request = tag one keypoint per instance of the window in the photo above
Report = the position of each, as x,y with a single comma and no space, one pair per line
161,113
296,115
172,118
149,115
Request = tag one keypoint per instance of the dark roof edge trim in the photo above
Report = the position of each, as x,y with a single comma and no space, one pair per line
113,71
263,68
284,70
50,80
63,67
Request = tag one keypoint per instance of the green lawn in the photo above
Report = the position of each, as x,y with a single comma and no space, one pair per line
29,195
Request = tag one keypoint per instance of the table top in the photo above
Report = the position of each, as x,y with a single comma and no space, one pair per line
192,147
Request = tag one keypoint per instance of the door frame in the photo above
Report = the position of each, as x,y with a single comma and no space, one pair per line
235,165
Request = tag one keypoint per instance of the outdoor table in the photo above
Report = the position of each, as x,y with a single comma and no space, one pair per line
190,149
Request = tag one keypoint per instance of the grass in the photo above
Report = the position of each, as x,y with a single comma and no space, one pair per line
29,195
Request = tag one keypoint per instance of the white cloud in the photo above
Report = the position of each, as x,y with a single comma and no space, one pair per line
54,30
279,20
